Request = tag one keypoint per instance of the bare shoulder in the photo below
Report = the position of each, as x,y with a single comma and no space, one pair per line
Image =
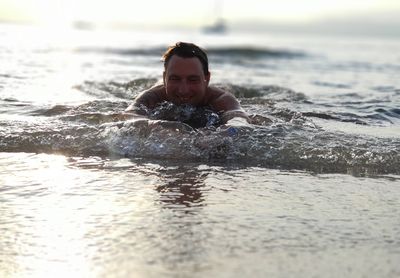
215,91
221,100
225,103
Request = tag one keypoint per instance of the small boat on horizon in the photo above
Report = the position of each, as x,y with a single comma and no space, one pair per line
219,27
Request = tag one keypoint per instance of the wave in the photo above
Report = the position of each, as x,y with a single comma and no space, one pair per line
231,51
257,99
371,112
376,119
278,137
112,89
129,90
351,108
274,145
254,52
284,139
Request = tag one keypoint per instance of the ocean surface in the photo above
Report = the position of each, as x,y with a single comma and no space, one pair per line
311,188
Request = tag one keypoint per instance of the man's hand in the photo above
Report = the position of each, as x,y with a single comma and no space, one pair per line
238,122
235,126
232,114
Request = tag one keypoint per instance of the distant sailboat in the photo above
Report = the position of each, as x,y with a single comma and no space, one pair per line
219,26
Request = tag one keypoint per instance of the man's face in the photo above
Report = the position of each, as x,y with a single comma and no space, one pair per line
185,81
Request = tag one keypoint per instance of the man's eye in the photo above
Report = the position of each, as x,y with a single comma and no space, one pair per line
193,79
174,78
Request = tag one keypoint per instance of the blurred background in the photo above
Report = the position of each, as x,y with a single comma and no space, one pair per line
342,17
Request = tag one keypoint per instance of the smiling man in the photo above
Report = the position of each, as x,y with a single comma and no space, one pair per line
186,80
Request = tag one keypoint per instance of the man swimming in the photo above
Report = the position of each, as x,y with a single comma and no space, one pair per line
186,80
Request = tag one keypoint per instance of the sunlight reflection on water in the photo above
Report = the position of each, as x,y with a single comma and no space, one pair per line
91,217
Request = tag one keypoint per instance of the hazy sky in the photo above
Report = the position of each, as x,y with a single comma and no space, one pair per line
189,12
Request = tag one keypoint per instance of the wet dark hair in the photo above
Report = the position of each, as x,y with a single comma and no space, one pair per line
186,50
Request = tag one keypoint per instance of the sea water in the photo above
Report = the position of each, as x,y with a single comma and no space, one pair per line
310,188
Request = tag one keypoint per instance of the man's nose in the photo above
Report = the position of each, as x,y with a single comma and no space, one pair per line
183,87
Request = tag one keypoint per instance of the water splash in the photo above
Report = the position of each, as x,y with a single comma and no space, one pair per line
278,137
